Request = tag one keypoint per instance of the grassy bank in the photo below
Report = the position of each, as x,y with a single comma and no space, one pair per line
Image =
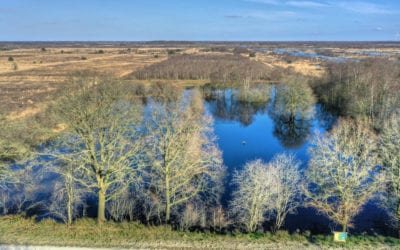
86,233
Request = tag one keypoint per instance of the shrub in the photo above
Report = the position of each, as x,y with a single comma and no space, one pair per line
10,59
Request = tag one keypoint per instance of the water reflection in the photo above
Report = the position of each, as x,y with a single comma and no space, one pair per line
239,105
292,110
289,105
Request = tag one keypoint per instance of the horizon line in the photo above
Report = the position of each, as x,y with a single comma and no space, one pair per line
191,41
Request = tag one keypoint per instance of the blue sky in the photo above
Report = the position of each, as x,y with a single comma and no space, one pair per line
221,20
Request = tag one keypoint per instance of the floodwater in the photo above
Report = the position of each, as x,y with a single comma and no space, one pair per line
253,130
247,131
310,55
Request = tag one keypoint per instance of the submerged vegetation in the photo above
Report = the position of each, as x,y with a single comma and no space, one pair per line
362,90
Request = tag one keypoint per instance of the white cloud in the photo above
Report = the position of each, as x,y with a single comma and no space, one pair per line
271,2
364,7
272,15
301,4
361,7
306,4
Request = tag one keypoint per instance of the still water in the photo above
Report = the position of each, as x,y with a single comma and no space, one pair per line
248,131
251,130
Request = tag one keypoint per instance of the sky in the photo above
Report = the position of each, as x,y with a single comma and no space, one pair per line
199,20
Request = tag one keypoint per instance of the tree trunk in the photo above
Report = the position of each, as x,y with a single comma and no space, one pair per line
101,209
344,227
5,210
278,223
398,219
69,210
70,198
167,201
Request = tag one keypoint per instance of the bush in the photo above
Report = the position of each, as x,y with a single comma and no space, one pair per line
83,58
11,59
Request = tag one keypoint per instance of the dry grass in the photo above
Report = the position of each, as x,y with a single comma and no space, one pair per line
307,67
16,230
24,89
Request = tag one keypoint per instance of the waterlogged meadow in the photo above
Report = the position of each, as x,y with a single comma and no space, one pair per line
243,157
171,156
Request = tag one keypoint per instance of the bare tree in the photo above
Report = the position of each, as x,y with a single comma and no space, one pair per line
11,149
292,111
65,166
17,141
219,218
287,189
389,152
122,207
216,68
191,216
184,160
254,194
363,89
294,99
343,173
104,121
266,189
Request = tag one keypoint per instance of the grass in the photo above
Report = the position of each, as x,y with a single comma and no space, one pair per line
17,230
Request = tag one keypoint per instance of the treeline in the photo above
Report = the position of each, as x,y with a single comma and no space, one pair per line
215,68
160,164
361,89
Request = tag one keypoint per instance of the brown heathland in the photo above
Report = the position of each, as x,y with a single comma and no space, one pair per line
30,75
28,80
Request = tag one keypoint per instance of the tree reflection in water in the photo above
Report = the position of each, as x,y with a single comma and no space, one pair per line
237,104
292,110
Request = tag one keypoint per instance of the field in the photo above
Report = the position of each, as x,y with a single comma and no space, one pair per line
30,73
